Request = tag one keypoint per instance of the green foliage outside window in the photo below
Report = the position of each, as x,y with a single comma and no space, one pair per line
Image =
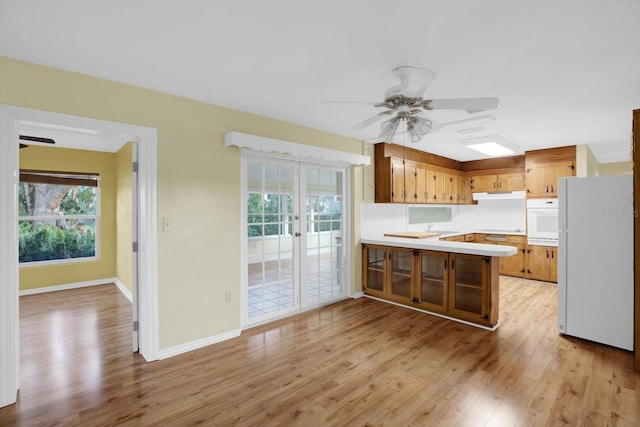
71,234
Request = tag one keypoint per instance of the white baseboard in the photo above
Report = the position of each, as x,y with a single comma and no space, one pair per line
165,353
66,286
356,295
125,291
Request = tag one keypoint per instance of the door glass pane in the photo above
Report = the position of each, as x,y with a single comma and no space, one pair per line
468,287
270,268
401,273
324,261
375,268
432,279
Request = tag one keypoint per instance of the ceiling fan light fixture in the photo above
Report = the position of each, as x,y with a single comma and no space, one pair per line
418,127
388,129
493,146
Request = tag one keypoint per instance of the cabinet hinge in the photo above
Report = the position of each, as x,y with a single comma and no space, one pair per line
485,317
134,246
136,326
487,260
135,166
415,300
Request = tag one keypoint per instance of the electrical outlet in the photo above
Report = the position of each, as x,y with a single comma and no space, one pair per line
167,223
227,296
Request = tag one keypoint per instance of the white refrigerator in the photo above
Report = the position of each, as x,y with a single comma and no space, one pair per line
595,259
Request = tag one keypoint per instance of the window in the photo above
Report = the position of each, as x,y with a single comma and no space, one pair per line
58,216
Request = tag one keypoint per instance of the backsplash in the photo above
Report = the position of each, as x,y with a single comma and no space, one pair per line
379,218
494,214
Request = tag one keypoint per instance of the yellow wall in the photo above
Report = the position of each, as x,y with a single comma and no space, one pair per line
616,168
61,159
198,185
586,162
124,231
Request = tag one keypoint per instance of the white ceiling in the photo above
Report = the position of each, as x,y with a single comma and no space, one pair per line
566,72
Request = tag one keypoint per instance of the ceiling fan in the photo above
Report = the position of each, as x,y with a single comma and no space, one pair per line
34,139
405,104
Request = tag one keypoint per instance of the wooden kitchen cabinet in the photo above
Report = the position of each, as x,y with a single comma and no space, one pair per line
472,295
464,190
541,263
374,268
458,285
432,284
509,181
544,167
400,179
397,180
513,265
401,274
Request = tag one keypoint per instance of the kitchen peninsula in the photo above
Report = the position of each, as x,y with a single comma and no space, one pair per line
457,280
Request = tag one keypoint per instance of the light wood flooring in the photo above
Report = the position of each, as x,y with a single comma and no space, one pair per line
355,363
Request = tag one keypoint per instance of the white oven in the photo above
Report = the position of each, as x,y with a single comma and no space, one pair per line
542,222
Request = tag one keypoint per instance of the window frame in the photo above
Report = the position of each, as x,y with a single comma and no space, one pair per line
84,179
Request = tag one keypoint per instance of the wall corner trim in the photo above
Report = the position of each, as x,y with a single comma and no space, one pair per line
175,350
125,291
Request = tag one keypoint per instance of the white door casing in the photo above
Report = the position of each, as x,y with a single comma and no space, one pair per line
11,119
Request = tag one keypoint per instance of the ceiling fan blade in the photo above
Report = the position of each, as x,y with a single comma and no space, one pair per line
470,105
36,139
413,80
371,120
349,102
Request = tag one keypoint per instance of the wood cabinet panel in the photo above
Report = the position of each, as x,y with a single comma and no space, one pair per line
472,295
484,183
458,285
401,274
432,286
374,268
464,189
410,182
512,181
544,167
541,263
508,181
397,181
454,190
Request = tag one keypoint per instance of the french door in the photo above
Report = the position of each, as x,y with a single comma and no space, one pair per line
295,247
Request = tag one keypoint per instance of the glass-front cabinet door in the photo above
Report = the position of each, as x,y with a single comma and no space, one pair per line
432,288
469,278
373,274
401,274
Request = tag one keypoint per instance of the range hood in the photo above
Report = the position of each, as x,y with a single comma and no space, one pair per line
500,195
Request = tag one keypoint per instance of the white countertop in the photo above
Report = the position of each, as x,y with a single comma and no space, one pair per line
434,244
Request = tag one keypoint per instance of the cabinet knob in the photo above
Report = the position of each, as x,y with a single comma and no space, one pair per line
297,234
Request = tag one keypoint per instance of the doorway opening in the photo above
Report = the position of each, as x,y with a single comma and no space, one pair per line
88,134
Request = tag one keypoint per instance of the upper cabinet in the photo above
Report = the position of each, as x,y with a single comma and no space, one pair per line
544,167
406,175
488,181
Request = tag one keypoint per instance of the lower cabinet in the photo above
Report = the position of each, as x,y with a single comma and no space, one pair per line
457,285
531,262
541,263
